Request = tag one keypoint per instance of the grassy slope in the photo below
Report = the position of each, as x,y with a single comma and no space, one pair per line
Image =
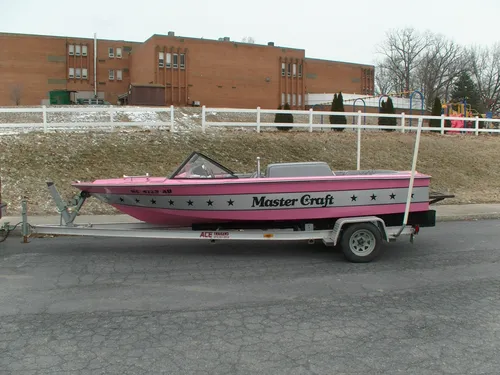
467,166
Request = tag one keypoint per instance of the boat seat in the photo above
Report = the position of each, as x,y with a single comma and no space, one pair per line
304,169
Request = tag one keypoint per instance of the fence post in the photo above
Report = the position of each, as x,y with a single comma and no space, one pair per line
203,124
111,116
442,124
403,122
258,119
44,118
310,120
358,157
172,119
477,125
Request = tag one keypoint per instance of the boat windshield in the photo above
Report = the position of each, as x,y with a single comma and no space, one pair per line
200,166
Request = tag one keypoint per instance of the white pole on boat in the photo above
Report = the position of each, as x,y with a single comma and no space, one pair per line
358,163
412,178
258,166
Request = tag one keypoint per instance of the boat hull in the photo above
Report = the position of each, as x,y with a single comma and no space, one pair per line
185,203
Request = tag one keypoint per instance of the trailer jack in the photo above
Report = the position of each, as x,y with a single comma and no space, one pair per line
6,227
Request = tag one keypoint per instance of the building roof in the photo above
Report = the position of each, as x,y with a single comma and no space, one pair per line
223,40
340,62
68,37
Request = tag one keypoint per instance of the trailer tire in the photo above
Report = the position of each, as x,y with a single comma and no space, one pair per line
361,242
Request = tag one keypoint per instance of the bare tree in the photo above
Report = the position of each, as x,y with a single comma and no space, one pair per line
430,62
16,92
439,65
248,39
402,51
385,82
486,73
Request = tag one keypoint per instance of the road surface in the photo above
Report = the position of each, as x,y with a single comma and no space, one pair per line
110,306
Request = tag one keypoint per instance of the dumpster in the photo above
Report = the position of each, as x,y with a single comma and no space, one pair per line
59,97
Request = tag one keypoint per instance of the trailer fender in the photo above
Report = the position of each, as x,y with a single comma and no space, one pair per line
343,223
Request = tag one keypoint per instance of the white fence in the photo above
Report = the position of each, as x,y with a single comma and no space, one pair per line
406,122
76,118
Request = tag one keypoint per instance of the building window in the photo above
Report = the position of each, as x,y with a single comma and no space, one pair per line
71,72
119,75
118,52
84,50
300,100
110,52
111,74
183,61
175,60
84,73
283,67
78,50
289,69
294,69
71,50
169,60
283,96
78,74
160,59
288,99
294,100
300,70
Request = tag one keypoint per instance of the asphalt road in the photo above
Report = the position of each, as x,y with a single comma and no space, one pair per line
108,306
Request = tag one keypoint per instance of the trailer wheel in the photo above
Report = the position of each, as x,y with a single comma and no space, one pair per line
361,242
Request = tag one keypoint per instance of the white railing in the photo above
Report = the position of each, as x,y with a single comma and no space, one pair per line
110,117
49,118
358,121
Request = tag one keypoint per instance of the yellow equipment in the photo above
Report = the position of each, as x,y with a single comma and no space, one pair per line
454,109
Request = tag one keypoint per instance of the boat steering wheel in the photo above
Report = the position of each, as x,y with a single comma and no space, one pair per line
201,170
209,171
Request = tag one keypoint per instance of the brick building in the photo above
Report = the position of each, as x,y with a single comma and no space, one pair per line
168,69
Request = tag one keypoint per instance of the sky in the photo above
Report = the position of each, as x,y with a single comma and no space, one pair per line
333,30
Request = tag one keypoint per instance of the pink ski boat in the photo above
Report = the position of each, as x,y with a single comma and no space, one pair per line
354,210
202,193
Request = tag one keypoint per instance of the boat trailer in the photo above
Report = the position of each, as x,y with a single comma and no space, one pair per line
359,238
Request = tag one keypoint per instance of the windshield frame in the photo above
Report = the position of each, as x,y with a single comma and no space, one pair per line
196,157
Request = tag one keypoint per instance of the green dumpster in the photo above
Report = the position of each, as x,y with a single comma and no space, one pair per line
59,97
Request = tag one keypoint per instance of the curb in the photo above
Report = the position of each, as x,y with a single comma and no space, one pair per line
469,217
